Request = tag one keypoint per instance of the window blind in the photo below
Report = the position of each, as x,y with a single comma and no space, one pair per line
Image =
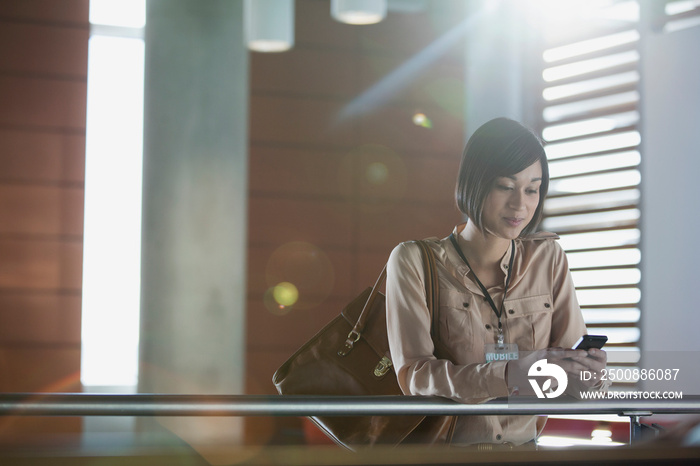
589,119
674,15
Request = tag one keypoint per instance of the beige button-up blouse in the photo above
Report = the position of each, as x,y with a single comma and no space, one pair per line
540,311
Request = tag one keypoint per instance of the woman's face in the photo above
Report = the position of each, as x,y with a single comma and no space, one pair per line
512,202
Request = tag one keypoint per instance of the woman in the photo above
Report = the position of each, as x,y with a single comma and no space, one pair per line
501,285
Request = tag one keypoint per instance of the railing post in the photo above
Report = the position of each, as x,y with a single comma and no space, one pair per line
637,429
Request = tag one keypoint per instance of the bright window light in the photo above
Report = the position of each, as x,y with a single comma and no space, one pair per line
595,219
580,107
583,202
112,231
122,13
591,417
569,130
611,316
594,144
583,165
600,239
680,24
608,296
564,442
589,46
579,260
590,85
623,354
618,335
622,12
556,73
583,184
580,128
678,7
607,277
590,126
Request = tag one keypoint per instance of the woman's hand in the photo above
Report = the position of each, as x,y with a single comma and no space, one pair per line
576,362
573,362
517,371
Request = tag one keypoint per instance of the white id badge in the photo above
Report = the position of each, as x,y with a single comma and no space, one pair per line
504,352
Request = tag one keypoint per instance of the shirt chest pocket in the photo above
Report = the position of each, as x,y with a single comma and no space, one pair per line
460,326
528,321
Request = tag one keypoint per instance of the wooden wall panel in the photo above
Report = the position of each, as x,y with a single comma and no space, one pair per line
432,178
316,270
300,172
30,264
437,30
41,210
386,174
30,156
261,364
40,264
445,135
73,166
30,209
40,156
402,34
297,121
338,76
299,325
354,186
29,318
43,73
315,28
275,221
407,79
64,13
383,225
55,429
370,264
42,48
72,210
71,271
42,102
30,373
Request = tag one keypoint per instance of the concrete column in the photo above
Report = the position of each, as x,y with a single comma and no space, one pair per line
670,69
195,203
494,63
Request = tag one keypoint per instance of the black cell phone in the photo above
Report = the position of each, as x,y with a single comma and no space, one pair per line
587,342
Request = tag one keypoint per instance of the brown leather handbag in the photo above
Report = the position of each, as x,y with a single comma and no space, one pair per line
350,356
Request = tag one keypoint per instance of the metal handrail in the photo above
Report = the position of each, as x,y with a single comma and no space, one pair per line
89,404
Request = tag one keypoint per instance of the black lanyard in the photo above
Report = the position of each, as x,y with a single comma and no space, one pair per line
498,312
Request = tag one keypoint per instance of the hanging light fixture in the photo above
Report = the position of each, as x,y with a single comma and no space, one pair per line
269,25
359,11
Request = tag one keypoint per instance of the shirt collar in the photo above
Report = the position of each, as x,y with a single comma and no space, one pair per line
459,265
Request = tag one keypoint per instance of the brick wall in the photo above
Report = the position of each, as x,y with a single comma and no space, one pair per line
43,69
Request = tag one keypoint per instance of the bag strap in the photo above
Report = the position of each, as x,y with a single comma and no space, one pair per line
432,287
431,295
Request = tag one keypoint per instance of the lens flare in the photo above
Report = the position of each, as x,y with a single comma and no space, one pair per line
448,93
419,119
271,304
299,275
377,173
383,172
285,294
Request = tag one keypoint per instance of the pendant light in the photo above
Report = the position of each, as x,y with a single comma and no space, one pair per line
269,25
358,11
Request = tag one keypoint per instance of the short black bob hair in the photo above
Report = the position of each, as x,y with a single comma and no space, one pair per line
500,147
